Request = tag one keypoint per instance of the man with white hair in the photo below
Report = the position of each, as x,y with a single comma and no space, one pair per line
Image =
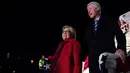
100,35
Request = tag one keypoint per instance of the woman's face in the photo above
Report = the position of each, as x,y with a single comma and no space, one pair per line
66,34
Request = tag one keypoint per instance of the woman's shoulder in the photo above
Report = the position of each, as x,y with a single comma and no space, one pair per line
75,41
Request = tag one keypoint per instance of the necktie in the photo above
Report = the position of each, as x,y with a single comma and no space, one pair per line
95,26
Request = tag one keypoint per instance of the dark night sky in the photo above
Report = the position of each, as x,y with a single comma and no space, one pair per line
27,24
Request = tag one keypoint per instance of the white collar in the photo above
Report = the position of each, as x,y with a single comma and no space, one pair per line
98,18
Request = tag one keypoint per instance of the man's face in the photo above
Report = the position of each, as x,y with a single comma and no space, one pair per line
92,11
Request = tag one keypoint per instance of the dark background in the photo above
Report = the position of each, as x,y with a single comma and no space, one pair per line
30,28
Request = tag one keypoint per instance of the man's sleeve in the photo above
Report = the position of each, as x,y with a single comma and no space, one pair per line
120,37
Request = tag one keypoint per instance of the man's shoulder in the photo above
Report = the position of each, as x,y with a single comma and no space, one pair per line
109,18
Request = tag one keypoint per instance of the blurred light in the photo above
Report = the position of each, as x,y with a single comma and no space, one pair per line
32,61
46,58
18,57
9,66
14,71
8,55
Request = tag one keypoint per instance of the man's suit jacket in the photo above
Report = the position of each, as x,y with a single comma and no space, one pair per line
103,40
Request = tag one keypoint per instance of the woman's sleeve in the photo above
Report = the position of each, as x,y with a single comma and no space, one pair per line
76,55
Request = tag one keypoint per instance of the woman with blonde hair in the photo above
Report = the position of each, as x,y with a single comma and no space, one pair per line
67,56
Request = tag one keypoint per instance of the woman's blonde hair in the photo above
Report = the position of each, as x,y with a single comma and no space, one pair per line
72,31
